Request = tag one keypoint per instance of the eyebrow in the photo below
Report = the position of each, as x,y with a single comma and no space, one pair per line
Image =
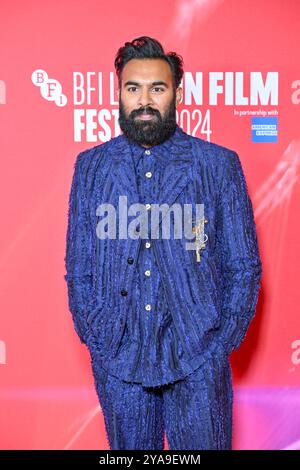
160,82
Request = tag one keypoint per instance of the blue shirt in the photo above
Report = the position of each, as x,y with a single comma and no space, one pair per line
150,353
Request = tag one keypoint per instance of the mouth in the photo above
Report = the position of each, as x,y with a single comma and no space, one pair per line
145,117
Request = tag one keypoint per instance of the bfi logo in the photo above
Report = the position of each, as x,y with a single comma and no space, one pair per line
50,88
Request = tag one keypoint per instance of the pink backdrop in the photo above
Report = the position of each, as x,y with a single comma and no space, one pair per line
48,400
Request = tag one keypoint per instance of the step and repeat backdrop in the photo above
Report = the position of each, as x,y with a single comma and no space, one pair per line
58,96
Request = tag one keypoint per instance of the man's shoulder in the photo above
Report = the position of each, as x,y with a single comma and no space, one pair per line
209,149
93,154
219,160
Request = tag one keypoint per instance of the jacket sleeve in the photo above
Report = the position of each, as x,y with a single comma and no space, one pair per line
78,256
241,266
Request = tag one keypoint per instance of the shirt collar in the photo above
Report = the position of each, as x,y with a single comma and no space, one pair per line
159,151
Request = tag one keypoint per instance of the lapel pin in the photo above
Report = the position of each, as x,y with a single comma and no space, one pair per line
201,237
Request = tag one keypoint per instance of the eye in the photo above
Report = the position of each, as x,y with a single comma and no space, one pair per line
130,88
158,88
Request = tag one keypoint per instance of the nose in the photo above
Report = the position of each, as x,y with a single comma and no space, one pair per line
145,98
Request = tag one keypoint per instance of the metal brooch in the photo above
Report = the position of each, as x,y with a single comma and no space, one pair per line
201,237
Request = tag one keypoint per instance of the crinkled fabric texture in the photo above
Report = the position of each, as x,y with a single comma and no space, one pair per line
195,412
197,308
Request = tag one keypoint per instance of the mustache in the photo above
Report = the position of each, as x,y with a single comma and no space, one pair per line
140,111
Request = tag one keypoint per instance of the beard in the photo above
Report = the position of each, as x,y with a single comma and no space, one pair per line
151,132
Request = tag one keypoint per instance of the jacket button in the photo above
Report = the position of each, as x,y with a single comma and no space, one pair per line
130,260
124,292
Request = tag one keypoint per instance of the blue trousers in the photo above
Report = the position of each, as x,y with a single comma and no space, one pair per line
195,412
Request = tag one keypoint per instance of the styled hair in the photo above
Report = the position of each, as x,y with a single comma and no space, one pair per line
145,47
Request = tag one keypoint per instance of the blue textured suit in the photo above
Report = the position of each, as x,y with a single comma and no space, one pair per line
150,314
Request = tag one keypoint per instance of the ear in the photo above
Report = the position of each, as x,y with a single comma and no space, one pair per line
179,96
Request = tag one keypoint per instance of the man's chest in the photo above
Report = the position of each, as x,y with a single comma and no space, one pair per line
148,174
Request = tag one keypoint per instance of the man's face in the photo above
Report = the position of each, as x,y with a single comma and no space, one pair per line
147,101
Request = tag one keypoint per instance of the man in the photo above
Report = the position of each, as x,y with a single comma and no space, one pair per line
160,319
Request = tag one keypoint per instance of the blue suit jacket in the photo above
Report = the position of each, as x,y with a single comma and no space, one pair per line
211,302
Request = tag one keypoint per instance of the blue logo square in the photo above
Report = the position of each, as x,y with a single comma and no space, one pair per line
264,129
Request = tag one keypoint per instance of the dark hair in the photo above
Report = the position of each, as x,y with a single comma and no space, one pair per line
145,47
